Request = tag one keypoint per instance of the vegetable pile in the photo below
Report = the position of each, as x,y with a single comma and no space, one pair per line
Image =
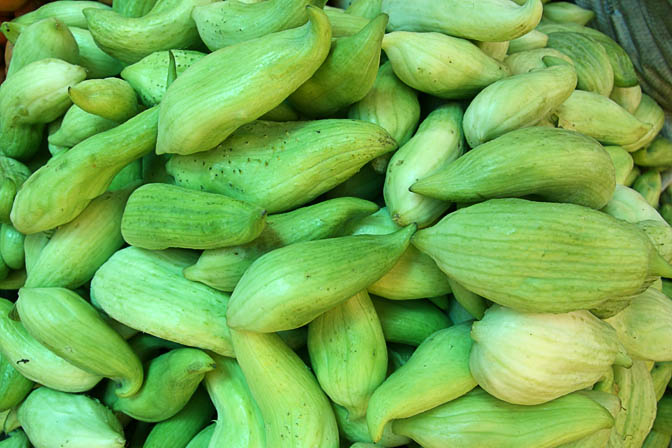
270,224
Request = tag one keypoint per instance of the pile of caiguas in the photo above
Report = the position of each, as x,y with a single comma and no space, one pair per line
275,224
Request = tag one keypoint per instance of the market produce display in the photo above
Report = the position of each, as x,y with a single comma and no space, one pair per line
362,224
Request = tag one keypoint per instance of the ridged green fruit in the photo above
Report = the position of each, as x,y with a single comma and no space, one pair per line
624,71
279,166
20,141
16,439
97,63
599,438
348,353
638,404
78,125
437,372
496,50
478,419
146,291
71,328
68,11
599,117
437,142
628,98
414,276
593,69
167,26
199,112
629,205
623,162
177,431
11,246
296,412
516,102
159,216
148,76
523,254
48,38
202,439
14,387
533,358
133,8
661,374
649,185
34,361
531,40
239,420
299,280
12,176
663,422
409,322
651,113
60,190
110,98
656,439
660,234
471,302
346,75
38,93
530,60
441,65
368,9
645,327
170,381
632,176
567,167
487,20
390,104
356,430
657,154
54,419
223,268
221,24
77,249
564,12
342,23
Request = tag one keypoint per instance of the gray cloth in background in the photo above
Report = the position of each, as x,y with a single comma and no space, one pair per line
644,29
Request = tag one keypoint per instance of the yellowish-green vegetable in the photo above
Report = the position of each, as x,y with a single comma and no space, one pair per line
477,420
409,321
147,291
36,362
159,216
644,327
566,167
517,102
198,111
170,381
53,419
348,353
60,190
239,420
486,20
496,250
441,65
346,75
533,358
303,280
70,327
279,166
437,372
296,412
